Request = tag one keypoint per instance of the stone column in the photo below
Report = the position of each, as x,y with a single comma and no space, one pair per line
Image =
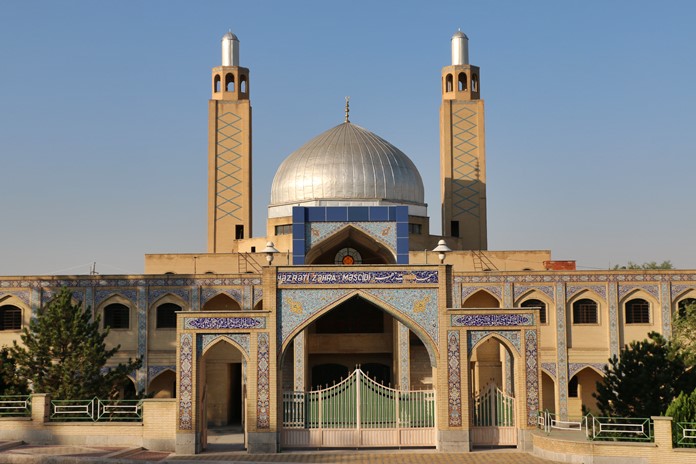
40,408
663,431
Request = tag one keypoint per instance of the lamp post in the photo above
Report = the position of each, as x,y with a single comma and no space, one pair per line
441,249
270,250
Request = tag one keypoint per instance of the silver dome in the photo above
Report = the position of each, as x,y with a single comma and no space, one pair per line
348,163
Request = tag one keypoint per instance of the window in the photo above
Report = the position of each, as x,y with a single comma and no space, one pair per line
283,229
454,225
573,387
536,304
166,315
462,82
637,311
117,316
448,83
238,232
10,317
585,312
415,229
229,82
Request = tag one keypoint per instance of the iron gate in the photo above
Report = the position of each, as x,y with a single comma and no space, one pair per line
358,412
493,421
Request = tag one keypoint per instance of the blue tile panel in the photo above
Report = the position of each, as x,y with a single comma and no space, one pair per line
303,217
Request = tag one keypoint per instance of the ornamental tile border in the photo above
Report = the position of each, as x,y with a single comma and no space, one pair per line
224,323
550,368
522,289
574,368
475,336
186,382
154,371
679,289
258,295
650,289
141,303
613,301
491,320
572,290
454,383
404,357
508,371
666,310
531,352
263,419
47,294
130,294
381,231
556,277
22,295
417,304
561,352
239,340
150,281
234,293
155,294
356,277
507,295
299,362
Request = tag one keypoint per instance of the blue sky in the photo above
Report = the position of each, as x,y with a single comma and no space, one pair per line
103,128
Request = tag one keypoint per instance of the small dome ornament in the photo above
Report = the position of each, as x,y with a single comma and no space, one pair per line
270,250
441,249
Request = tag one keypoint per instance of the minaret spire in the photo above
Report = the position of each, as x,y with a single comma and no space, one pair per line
347,109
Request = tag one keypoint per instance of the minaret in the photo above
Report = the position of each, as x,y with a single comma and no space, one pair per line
463,150
229,151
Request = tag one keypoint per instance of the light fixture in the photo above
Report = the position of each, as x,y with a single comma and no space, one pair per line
441,249
270,250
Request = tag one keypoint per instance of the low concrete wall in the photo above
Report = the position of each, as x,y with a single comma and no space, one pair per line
560,449
156,431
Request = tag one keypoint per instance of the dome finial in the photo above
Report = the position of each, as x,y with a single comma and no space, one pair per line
347,109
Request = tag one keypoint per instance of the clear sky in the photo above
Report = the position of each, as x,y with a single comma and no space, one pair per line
591,145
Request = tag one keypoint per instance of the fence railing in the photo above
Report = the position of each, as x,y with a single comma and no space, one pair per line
548,421
15,406
606,428
96,410
685,434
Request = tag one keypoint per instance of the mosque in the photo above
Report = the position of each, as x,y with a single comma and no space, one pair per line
347,323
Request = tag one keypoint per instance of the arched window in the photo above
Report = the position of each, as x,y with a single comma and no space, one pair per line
533,303
166,315
474,83
10,317
229,82
637,311
216,83
448,83
573,387
681,306
462,81
243,84
117,316
585,312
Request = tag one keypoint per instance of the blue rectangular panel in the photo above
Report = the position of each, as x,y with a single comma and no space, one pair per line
402,259
392,213
337,213
316,213
358,213
298,231
379,213
298,247
402,213
297,260
401,229
298,213
401,245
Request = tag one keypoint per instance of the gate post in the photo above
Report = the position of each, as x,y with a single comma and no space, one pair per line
358,382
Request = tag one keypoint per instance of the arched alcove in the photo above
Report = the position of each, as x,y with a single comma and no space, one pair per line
221,302
481,299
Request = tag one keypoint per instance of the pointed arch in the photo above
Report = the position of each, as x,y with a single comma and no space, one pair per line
163,384
229,82
169,298
504,341
222,302
371,249
117,312
14,313
428,342
259,305
481,298
527,300
222,338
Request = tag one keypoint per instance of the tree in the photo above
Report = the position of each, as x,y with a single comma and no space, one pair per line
647,265
10,382
683,408
64,353
684,334
644,380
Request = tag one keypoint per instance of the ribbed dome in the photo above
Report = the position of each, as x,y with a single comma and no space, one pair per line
351,163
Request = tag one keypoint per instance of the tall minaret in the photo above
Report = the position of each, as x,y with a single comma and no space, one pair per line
229,151
463,150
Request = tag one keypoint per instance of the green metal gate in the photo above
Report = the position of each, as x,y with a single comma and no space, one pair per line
358,412
493,418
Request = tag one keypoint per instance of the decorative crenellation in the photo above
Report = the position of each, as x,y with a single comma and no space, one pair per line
475,336
550,368
130,294
155,294
522,289
242,341
652,289
666,309
357,277
263,418
454,382
186,381
574,368
531,353
468,290
224,323
491,320
600,290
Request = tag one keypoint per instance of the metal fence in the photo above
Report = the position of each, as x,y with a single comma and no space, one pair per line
685,434
548,421
96,410
605,428
15,406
